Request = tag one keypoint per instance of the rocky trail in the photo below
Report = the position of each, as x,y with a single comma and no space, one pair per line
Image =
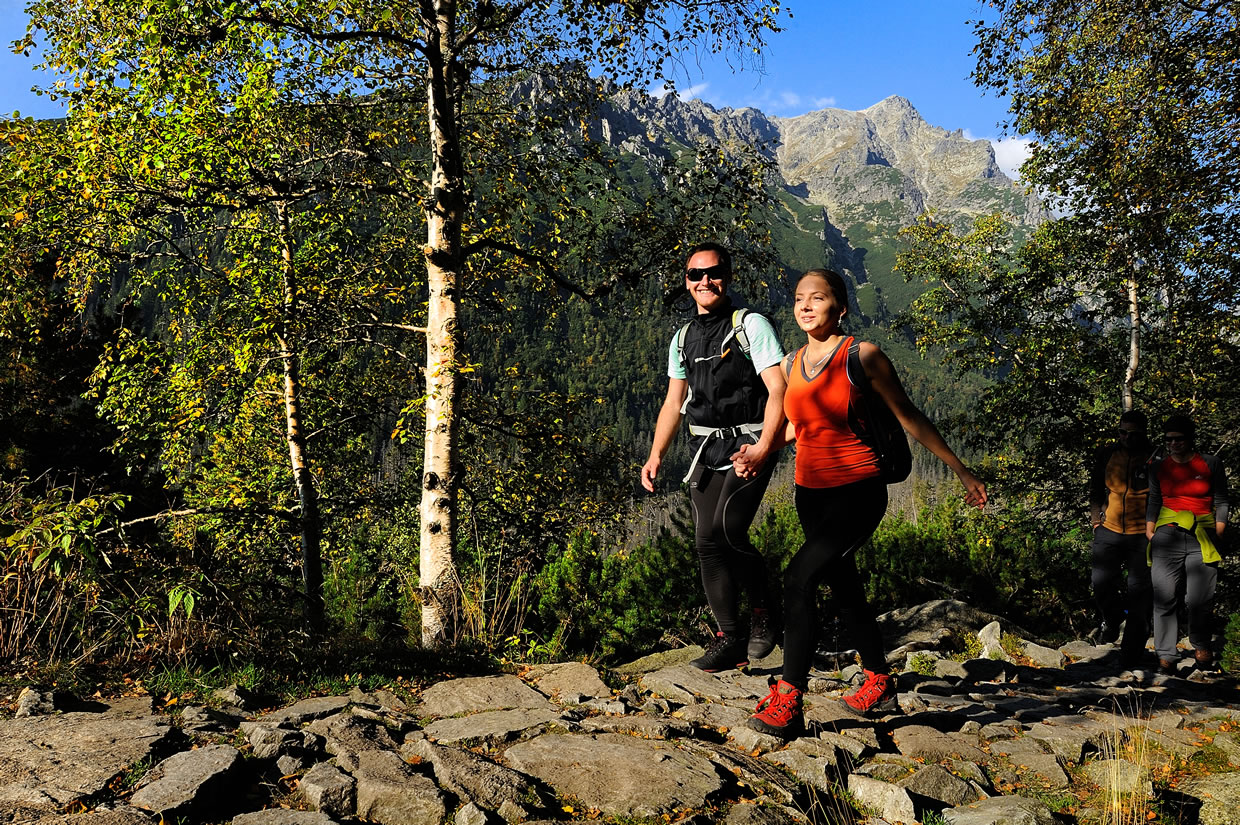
1021,733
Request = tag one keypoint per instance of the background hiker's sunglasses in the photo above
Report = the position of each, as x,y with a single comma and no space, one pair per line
1175,439
716,273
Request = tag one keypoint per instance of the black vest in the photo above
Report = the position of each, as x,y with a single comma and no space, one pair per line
724,389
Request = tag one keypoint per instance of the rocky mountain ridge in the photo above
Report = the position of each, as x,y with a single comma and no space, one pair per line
852,180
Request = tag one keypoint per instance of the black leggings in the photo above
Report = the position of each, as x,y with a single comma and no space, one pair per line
723,508
836,521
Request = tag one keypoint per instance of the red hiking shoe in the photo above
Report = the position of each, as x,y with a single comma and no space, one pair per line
876,695
780,713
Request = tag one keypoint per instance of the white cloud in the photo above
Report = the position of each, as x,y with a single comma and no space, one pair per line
823,102
1010,153
693,91
789,100
684,94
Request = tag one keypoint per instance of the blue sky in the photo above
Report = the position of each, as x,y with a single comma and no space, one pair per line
832,54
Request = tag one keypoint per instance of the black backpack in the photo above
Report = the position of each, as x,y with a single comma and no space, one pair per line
874,423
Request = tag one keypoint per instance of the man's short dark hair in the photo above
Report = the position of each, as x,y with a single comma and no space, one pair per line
1180,423
725,257
1135,417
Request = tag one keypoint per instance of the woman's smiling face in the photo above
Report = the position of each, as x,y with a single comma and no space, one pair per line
815,306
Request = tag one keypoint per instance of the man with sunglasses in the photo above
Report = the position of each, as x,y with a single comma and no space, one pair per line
1118,489
733,395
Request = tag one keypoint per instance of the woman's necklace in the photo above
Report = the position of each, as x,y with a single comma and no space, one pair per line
813,368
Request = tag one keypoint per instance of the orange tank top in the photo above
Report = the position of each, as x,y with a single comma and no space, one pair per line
829,453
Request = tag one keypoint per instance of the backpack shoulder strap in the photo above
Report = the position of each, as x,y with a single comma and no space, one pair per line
790,360
738,330
856,372
680,343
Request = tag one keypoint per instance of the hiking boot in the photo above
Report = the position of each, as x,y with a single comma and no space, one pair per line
780,713
1167,667
876,695
723,653
1203,659
761,635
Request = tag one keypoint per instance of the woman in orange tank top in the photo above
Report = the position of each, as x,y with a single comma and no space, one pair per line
840,499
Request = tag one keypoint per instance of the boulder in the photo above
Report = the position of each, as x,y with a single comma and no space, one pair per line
891,801
494,726
58,760
472,777
1001,810
280,816
195,781
1219,796
569,679
619,775
390,792
329,789
479,693
307,710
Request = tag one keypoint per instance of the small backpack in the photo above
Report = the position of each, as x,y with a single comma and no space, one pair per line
874,423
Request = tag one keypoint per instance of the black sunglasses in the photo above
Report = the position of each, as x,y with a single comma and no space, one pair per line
716,273
1174,439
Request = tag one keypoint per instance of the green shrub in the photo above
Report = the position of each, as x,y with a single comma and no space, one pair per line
586,601
1231,645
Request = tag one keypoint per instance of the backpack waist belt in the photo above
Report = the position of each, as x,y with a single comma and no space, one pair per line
717,432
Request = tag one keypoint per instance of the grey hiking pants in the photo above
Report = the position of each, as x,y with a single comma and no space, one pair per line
1181,577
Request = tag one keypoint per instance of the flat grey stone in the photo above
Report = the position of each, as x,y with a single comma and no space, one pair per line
191,781
752,741
856,747
57,760
203,719
307,710
390,792
1182,743
1071,737
651,727
1001,810
470,814
941,785
345,736
268,741
280,816
1044,656
749,813
1220,798
1117,775
472,777
891,801
124,815
921,741
1084,651
816,771
1229,744
619,775
238,697
569,678
944,668
688,685
496,726
1028,757
714,715
659,661
479,693
330,790
31,702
